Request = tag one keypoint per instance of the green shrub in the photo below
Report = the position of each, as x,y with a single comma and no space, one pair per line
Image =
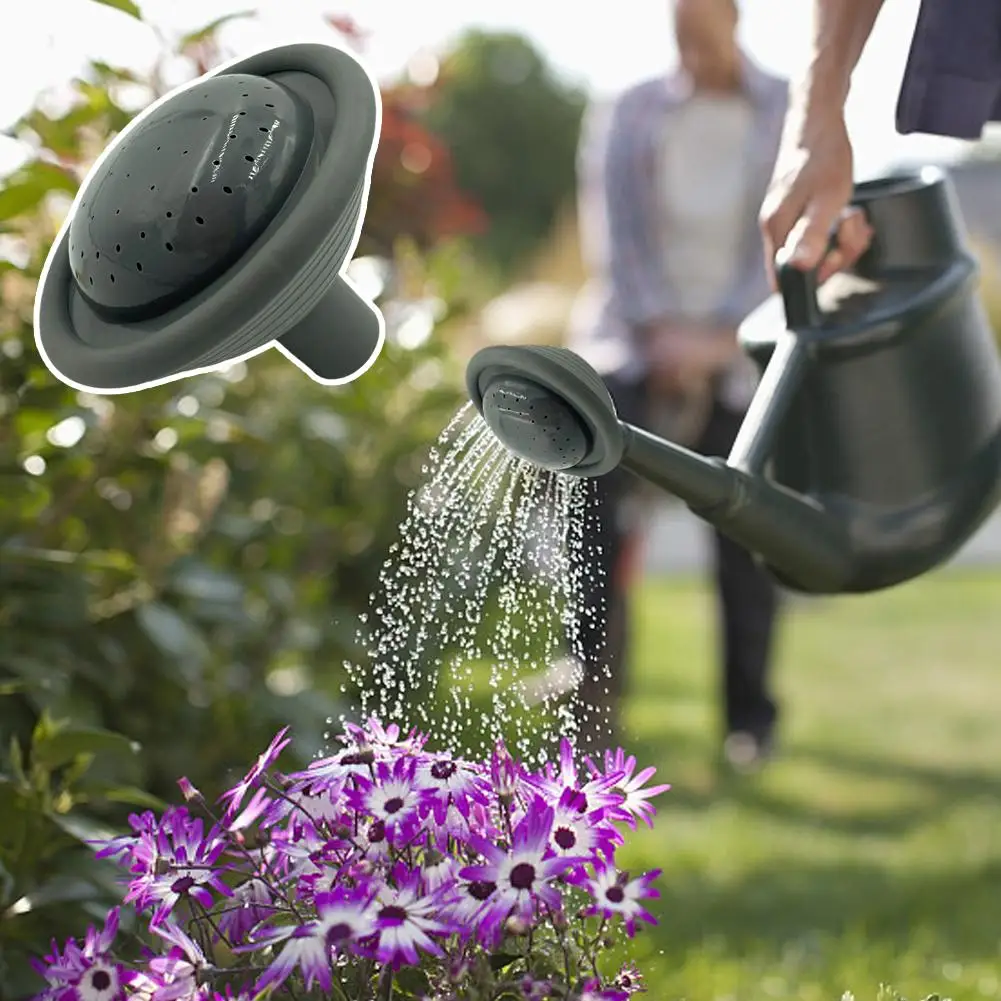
181,569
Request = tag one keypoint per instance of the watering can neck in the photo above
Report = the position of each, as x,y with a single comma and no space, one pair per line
796,537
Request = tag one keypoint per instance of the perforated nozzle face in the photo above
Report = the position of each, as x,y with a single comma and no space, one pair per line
534,423
547,405
183,197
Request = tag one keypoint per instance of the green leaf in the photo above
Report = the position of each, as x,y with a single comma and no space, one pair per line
57,891
212,28
128,795
501,959
125,6
83,829
55,745
27,188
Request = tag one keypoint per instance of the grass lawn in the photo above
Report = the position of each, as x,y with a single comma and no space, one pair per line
870,851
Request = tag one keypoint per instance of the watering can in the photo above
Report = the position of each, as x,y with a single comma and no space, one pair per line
872,448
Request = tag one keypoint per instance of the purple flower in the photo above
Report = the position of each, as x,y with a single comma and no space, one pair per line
235,796
593,991
83,973
252,904
597,793
615,894
575,833
505,773
470,907
172,860
175,974
374,734
392,797
450,783
634,797
406,920
524,874
343,917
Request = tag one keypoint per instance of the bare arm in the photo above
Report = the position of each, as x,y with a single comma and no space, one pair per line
812,184
841,30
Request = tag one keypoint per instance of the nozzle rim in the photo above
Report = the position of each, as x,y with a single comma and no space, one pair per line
546,366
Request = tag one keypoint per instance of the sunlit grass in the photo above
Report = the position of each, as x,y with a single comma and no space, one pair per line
870,852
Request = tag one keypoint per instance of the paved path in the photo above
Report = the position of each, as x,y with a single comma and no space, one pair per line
677,543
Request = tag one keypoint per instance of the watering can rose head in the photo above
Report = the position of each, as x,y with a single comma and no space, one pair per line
384,867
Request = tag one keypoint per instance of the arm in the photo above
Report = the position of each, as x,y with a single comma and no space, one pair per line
617,211
841,30
813,179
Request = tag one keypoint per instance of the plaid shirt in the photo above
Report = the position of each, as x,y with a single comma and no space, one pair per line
620,214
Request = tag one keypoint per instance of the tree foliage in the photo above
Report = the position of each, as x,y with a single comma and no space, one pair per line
512,127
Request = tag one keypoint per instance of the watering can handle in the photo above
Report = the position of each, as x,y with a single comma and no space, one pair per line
799,288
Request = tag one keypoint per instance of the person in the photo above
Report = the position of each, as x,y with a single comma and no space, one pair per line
671,177
951,87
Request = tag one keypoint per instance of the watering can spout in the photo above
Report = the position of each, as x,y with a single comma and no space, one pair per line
801,543
549,407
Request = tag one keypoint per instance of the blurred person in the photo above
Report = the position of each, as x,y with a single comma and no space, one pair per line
951,87
672,175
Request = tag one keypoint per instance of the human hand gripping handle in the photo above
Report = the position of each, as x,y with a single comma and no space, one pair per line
808,200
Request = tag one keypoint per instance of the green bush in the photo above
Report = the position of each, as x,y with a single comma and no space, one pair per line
181,569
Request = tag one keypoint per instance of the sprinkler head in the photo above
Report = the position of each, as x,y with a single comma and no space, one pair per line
216,225
547,406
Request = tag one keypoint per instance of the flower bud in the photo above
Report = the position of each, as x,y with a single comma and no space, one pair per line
516,925
342,831
560,920
190,793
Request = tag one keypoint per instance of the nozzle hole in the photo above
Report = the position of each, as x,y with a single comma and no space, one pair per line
227,189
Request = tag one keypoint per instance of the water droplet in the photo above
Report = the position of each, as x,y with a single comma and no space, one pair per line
474,633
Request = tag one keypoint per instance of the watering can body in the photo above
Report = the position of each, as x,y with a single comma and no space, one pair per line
872,448
880,400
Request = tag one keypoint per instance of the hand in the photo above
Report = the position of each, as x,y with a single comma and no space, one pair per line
809,195
683,357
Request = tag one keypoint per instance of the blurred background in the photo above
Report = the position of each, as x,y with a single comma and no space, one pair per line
182,570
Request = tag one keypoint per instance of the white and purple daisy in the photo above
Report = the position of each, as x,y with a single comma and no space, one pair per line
175,860
635,798
580,835
385,739
616,895
392,796
343,917
524,874
596,792
235,796
450,783
83,972
407,919
176,974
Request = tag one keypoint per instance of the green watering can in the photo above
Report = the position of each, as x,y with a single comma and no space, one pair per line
872,449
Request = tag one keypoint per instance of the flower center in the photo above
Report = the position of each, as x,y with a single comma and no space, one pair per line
338,933
376,832
565,838
480,890
393,913
394,805
615,894
443,770
523,876
182,885
100,980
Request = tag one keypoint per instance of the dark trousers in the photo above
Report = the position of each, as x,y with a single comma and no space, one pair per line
747,597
